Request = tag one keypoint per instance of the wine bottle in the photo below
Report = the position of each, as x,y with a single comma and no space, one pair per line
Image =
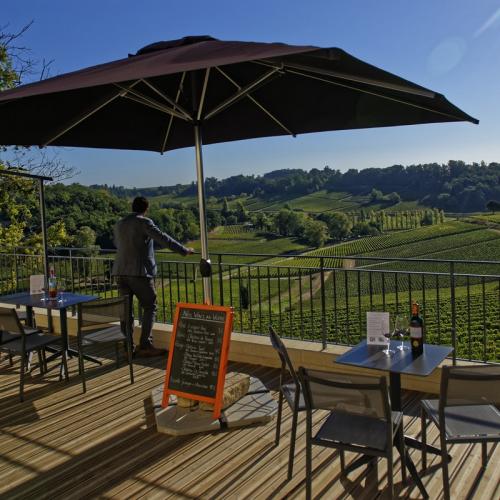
52,284
416,331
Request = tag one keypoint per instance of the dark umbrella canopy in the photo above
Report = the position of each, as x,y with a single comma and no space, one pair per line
196,90
237,90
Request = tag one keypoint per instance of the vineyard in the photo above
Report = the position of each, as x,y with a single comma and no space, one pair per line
384,244
236,231
478,335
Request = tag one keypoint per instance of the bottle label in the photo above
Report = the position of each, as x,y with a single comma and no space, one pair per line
415,332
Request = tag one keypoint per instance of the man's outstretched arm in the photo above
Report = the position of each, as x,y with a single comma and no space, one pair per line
164,240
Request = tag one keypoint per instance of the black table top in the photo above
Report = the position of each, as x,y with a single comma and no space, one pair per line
25,299
371,356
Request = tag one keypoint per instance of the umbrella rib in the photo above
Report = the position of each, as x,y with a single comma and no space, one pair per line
354,78
171,119
174,104
123,91
401,101
203,94
147,101
266,111
241,93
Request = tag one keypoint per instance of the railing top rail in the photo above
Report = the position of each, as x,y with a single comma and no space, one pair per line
292,256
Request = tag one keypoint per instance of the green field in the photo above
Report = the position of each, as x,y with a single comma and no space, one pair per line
317,202
489,217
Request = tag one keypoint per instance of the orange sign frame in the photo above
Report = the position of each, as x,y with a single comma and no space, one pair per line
221,377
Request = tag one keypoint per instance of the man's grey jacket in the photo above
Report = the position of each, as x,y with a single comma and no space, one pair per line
134,237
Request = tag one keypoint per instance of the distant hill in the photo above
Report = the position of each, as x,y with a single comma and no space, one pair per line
456,186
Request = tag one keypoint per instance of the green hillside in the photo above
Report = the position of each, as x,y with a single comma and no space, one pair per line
318,202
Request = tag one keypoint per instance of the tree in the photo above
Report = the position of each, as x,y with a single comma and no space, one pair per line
428,218
84,238
261,221
316,233
241,212
338,224
493,206
365,229
17,201
393,198
16,64
225,211
376,195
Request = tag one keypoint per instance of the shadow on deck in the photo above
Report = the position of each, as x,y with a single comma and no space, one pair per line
61,443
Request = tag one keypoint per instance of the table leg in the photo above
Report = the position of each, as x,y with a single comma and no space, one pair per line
29,316
64,336
395,392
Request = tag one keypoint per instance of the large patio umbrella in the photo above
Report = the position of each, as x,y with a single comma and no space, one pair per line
196,90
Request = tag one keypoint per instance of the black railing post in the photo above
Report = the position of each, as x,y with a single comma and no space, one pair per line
323,303
16,271
221,290
453,312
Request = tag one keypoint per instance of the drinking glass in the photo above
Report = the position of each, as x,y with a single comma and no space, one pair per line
61,288
400,332
387,351
45,292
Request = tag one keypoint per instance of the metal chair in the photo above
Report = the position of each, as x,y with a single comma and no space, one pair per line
14,338
102,322
360,419
28,330
466,412
290,391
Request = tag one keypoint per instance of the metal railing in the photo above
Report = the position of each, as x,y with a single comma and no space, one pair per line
324,300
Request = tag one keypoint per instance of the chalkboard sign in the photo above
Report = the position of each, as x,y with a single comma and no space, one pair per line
197,359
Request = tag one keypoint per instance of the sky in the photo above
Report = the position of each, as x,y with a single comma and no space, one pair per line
449,46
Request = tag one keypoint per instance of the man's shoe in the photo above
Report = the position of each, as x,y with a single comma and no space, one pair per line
149,352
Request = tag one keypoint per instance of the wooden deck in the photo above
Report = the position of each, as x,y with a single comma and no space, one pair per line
61,443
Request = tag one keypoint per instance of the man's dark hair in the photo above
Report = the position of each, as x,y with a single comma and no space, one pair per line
140,205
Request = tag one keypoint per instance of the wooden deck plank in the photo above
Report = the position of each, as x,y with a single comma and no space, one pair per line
61,443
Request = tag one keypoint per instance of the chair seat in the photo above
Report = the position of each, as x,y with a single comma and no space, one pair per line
466,422
289,391
110,334
33,342
6,337
357,430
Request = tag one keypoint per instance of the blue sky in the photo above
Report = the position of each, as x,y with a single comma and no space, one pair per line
450,46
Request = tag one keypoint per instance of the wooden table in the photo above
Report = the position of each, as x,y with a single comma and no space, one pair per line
401,362
60,304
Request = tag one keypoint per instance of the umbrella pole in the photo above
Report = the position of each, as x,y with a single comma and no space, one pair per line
44,230
45,245
207,290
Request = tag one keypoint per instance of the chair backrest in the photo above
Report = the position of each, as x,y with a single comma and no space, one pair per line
353,394
9,322
102,311
470,385
286,362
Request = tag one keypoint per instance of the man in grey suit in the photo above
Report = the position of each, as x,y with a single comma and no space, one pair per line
135,266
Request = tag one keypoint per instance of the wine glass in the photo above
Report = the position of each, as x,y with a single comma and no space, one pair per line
400,332
61,288
387,334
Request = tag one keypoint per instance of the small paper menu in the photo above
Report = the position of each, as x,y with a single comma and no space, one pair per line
377,323
37,283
